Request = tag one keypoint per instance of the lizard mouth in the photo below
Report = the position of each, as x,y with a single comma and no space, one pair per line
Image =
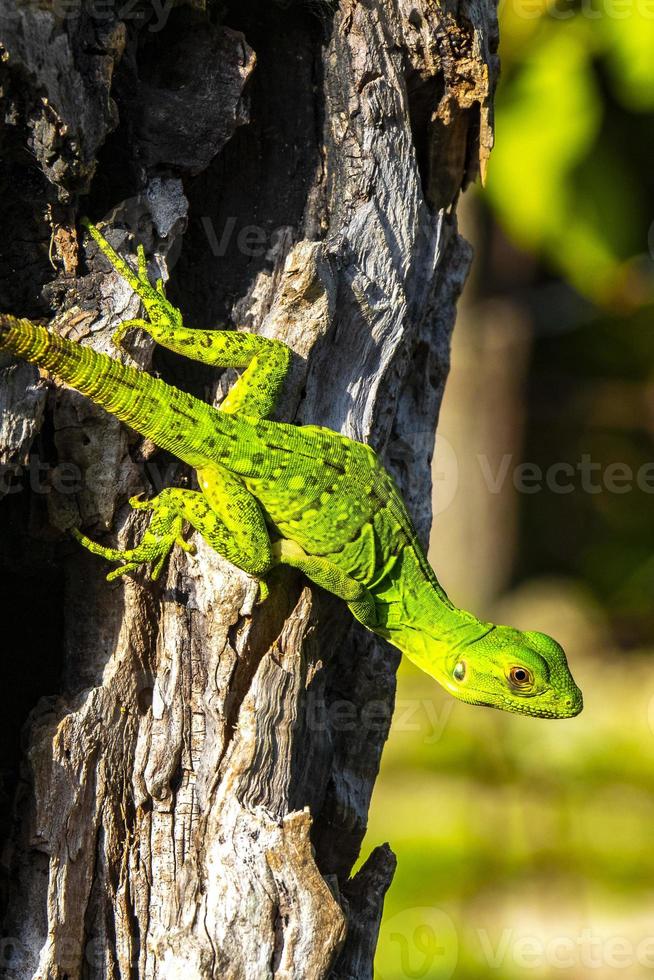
557,705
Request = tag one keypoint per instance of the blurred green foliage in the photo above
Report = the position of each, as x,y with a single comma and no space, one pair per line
570,175
591,396
524,847
571,184
511,832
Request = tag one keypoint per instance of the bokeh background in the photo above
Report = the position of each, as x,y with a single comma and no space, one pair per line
525,847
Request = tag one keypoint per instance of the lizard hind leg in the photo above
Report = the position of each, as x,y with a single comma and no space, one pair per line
226,515
330,577
266,361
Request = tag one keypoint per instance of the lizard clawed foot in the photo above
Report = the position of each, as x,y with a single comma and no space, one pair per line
143,271
158,308
137,502
119,333
164,532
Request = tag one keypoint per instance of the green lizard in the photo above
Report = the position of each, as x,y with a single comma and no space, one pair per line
305,496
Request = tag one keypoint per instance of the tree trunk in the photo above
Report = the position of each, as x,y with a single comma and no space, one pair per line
191,786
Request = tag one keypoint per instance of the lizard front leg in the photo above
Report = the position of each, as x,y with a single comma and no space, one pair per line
324,573
266,360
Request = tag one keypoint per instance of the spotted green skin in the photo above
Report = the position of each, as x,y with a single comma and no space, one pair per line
272,493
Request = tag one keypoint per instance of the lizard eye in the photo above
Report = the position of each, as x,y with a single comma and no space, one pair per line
459,671
520,676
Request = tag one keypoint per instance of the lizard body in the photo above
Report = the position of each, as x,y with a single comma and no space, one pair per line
305,496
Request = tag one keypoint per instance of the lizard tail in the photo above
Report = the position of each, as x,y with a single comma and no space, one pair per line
172,419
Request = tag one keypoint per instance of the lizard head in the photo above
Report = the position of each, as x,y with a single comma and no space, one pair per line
522,672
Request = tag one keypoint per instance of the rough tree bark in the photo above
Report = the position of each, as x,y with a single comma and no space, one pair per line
190,790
